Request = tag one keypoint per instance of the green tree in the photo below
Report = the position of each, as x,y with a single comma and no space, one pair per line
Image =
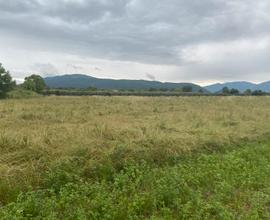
226,90
34,83
248,92
258,93
6,82
234,91
187,89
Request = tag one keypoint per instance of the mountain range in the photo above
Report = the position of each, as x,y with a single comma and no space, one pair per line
241,86
86,81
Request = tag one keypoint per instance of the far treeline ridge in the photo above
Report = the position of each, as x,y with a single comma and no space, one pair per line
77,84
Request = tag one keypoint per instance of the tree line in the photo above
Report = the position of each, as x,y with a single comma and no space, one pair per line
248,92
37,84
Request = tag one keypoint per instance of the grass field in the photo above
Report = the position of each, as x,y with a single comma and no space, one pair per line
135,158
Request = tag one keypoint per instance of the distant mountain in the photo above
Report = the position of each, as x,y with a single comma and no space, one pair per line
264,86
85,81
241,86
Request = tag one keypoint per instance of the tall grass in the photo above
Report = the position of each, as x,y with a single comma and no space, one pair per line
54,146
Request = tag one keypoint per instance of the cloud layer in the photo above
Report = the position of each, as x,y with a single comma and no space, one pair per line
179,40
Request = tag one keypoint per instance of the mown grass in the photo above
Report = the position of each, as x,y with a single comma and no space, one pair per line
135,158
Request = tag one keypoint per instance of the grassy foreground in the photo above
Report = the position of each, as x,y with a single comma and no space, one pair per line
135,158
234,185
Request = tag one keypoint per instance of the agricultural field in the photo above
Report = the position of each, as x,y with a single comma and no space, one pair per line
135,158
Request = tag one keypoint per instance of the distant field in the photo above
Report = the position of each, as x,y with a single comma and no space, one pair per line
135,158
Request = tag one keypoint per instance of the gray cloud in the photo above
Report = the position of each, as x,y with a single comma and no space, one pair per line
178,33
150,76
46,69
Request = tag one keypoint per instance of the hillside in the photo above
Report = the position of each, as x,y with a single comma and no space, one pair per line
241,86
84,81
264,86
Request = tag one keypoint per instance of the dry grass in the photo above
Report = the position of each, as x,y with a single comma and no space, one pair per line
36,134
134,157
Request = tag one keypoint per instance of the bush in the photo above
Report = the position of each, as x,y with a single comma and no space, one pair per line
22,94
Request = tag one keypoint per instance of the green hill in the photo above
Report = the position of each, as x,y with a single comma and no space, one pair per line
84,81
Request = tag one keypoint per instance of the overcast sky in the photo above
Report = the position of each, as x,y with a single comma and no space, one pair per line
201,41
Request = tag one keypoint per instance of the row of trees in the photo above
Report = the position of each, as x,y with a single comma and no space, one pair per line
228,91
34,83
186,88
